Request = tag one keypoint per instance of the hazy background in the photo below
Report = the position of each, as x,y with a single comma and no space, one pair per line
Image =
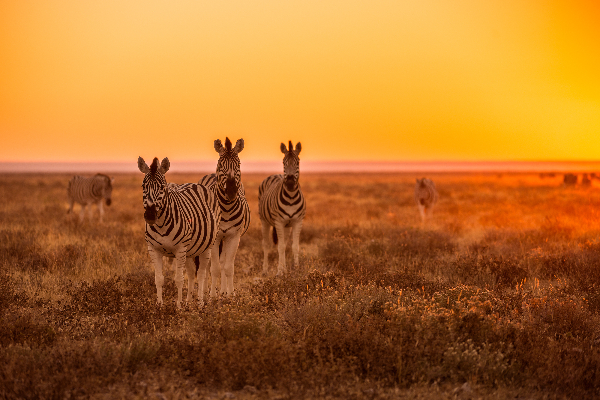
383,81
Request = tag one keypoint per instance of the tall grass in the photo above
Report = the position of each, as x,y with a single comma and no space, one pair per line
498,295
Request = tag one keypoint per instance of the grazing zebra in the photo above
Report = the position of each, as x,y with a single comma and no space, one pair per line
426,196
87,191
281,205
235,213
182,223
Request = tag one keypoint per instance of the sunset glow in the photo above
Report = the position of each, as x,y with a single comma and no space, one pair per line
412,80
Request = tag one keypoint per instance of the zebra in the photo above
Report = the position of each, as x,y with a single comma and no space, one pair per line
235,212
182,223
87,191
281,205
426,196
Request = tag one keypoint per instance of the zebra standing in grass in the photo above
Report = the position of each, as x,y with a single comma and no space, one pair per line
181,222
281,206
88,191
235,213
425,196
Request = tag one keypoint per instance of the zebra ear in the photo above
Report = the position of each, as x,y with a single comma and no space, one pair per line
239,145
219,147
164,165
143,167
298,148
284,149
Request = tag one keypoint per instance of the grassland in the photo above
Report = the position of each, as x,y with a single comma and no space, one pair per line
497,296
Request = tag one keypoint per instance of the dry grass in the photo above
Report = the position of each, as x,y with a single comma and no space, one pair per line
497,296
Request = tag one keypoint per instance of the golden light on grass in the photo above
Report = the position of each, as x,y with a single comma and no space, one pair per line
496,295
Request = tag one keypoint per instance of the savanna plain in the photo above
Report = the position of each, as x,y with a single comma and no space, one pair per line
497,295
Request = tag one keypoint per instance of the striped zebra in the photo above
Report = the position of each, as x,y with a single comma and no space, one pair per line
426,196
88,191
181,222
281,205
235,213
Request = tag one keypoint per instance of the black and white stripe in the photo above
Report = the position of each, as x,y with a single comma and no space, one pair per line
88,191
281,205
182,222
227,185
426,196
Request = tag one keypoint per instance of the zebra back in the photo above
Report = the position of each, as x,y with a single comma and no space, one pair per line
90,190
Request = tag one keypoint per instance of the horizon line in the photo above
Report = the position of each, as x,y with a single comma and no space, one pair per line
252,166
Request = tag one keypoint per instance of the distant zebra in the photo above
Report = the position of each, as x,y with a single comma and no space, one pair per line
281,205
585,180
88,191
570,179
426,196
181,222
227,185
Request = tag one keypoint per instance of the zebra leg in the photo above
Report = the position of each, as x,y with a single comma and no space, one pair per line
180,260
70,210
281,269
266,243
296,243
166,262
159,279
82,212
286,234
230,246
101,211
190,268
204,258
215,266
422,212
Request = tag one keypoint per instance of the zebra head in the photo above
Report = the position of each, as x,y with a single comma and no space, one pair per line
291,165
229,176
154,187
107,187
422,183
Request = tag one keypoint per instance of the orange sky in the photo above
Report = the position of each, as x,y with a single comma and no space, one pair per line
353,80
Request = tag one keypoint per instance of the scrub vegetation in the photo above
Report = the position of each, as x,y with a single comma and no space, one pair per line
496,296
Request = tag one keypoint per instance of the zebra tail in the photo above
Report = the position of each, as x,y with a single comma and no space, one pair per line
274,235
220,247
197,262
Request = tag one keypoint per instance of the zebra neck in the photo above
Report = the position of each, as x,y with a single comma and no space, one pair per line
161,214
290,193
290,197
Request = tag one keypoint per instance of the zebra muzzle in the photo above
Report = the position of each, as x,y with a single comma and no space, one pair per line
231,189
290,182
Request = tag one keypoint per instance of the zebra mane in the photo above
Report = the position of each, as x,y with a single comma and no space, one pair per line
154,166
106,177
227,144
